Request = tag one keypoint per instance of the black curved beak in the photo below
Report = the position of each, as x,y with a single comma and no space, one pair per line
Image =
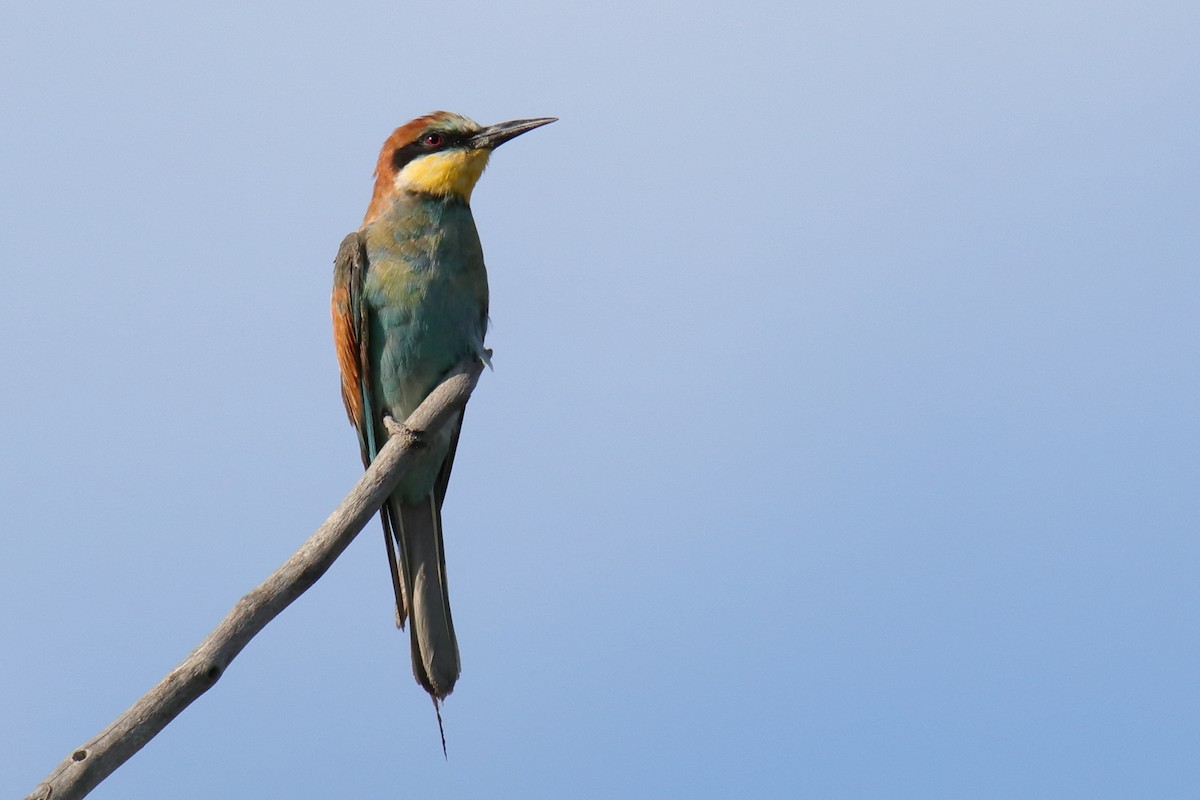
493,136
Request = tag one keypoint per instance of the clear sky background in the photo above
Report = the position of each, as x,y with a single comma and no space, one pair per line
843,441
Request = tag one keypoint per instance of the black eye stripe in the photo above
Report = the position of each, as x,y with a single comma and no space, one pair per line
403,155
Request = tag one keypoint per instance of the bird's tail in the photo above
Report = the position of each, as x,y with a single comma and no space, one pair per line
418,529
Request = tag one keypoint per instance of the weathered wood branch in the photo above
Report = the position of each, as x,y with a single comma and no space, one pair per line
94,761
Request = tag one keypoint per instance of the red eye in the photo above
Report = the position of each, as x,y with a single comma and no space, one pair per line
433,140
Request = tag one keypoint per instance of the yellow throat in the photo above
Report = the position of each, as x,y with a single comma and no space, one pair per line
452,172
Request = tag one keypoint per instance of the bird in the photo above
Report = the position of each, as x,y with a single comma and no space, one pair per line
409,303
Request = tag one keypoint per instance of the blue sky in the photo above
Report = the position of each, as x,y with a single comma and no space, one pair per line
843,438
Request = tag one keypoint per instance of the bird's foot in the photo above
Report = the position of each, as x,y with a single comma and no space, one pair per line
411,437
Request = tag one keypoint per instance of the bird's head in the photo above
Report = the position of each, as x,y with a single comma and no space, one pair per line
440,154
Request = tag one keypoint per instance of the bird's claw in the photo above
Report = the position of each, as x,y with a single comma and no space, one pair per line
403,431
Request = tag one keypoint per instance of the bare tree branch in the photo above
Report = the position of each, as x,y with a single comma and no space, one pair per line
91,763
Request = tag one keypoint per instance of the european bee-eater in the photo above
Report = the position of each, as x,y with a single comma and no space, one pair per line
410,302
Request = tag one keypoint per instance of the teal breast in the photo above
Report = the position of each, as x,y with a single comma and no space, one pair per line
426,290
